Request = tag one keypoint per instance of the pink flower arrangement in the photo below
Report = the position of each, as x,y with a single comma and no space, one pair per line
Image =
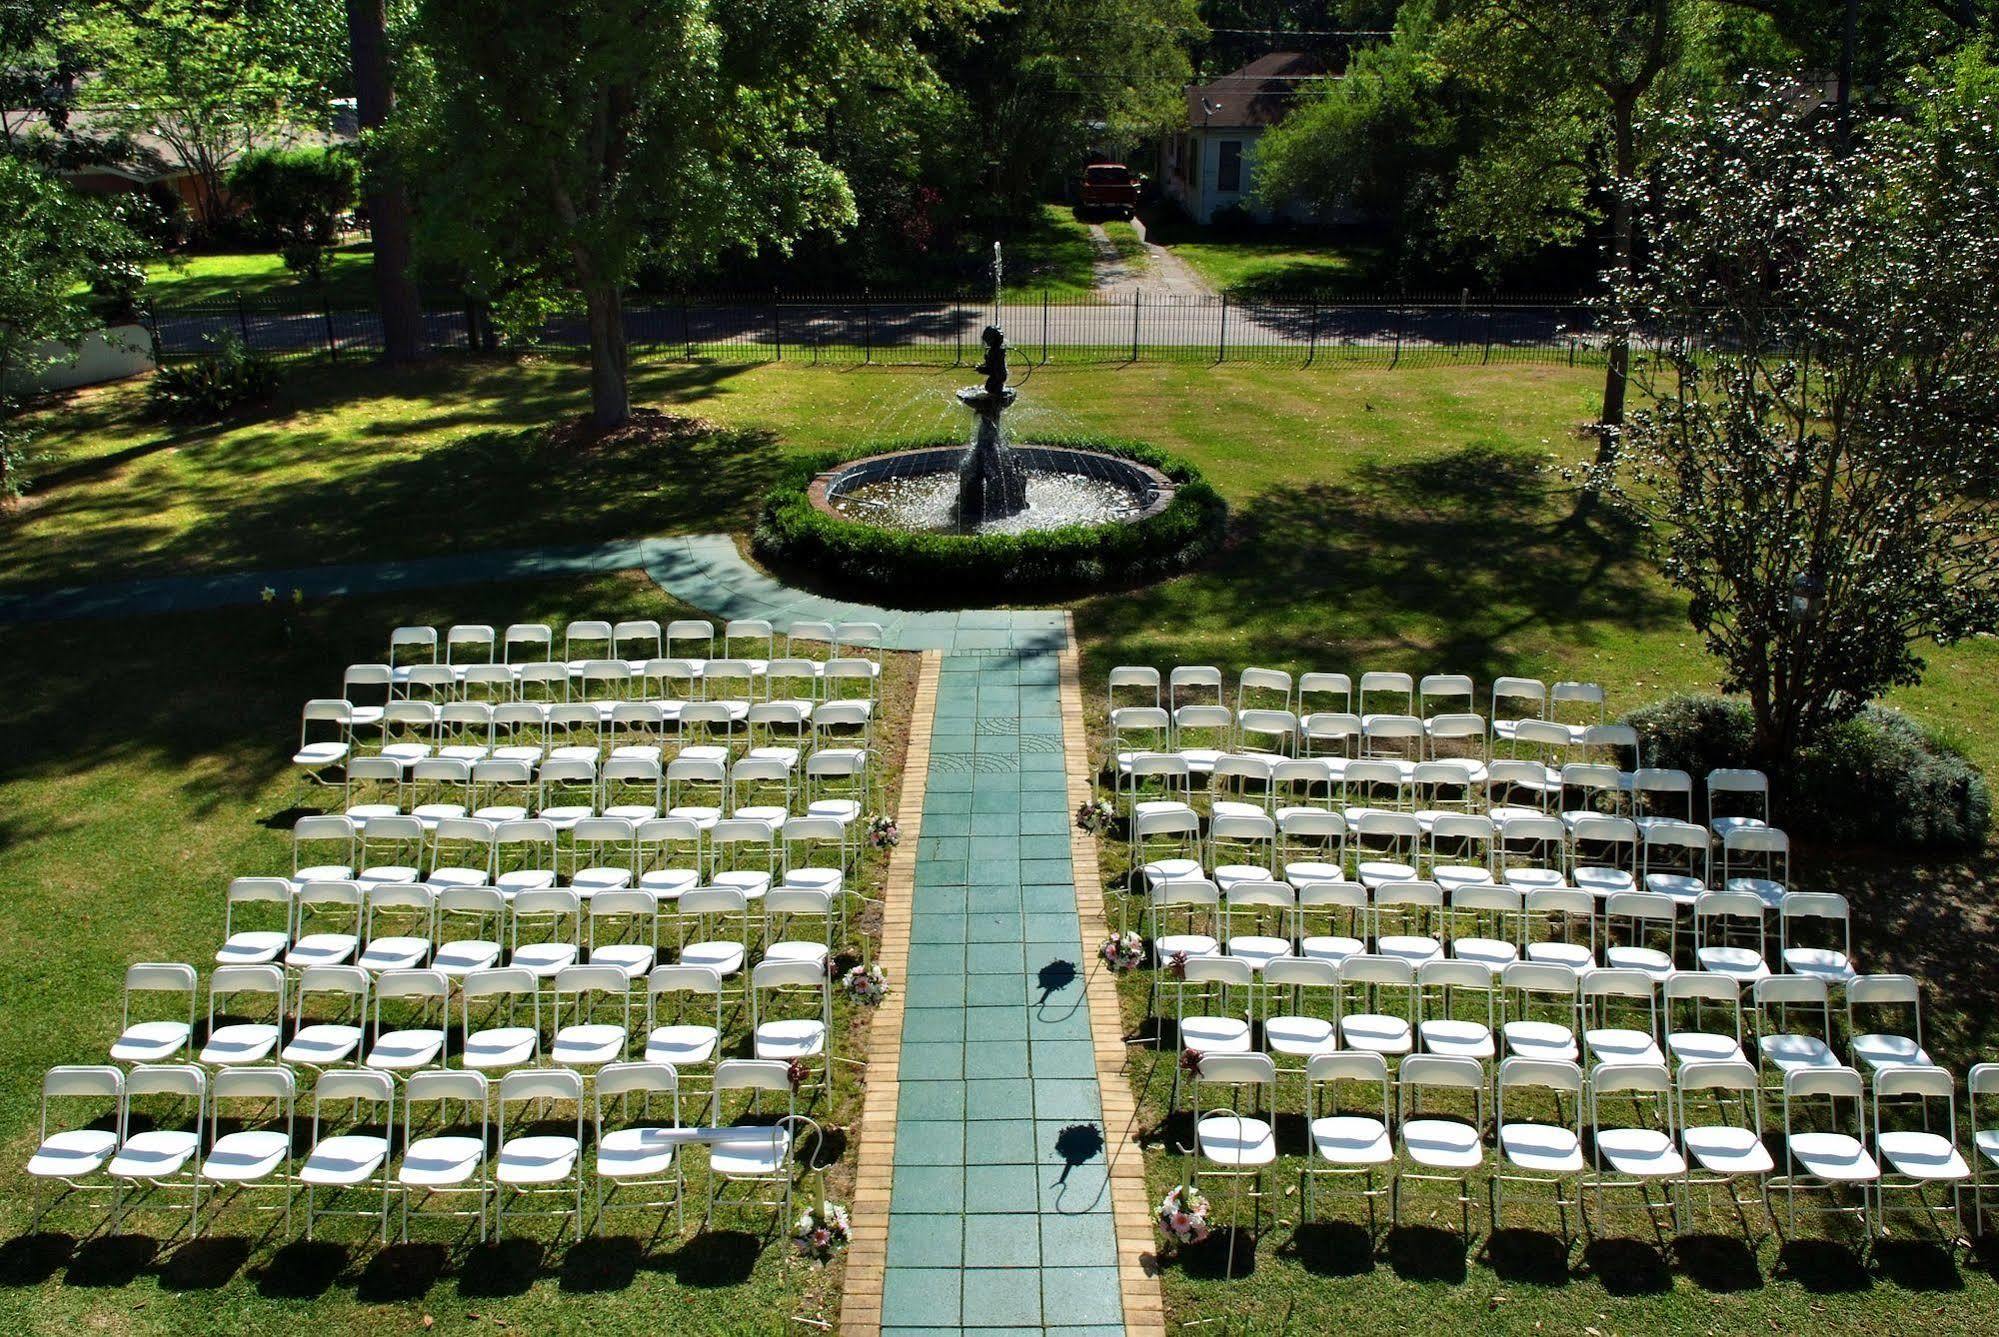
1183,1215
823,1231
1123,952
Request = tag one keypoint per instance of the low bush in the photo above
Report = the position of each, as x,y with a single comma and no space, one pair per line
1878,778
925,566
213,385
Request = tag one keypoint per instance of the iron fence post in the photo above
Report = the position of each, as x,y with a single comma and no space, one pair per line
867,327
1395,356
1222,340
1134,323
1044,327
326,314
1312,333
1486,357
776,329
958,330
242,319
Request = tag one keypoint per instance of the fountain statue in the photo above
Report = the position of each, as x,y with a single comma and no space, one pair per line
992,485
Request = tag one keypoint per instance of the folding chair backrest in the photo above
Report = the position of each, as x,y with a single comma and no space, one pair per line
621,1079
751,1074
526,1084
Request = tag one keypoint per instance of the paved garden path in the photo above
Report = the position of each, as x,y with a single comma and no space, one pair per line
1000,1212
705,570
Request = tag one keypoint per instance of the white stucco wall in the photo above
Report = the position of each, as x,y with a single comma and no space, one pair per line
107,355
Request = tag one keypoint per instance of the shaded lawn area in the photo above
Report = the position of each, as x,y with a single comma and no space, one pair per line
260,276
148,762
1276,262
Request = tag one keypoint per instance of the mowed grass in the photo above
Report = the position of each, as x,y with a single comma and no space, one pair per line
147,763
1274,263
260,276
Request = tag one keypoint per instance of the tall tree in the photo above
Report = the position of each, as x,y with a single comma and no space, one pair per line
59,248
196,74
383,190
578,141
1818,453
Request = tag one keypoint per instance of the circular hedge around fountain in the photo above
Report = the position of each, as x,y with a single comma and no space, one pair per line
934,566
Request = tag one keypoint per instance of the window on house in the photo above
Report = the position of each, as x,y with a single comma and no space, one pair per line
1228,176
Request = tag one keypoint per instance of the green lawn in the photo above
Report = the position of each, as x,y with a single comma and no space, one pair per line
125,813
259,276
1275,263
1394,518
1125,237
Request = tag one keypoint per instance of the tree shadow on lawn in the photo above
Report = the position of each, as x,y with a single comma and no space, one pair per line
504,484
1433,565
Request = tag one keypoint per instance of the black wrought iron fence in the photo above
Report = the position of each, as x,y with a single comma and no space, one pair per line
1043,328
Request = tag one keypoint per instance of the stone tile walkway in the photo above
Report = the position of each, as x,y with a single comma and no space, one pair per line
705,570
1000,1212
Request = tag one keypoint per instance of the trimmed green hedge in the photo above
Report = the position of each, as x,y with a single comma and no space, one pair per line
925,566
1876,779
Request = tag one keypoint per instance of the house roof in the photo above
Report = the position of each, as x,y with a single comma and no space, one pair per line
1258,94
148,157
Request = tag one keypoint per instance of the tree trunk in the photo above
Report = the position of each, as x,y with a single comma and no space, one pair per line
388,202
610,396
1617,368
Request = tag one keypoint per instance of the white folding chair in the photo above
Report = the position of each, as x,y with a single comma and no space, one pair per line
1639,1152
1441,988
673,1036
246,1014
1543,1012
748,1153
1757,860
1620,1018
1540,1151
638,1152
1750,788
257,1151
495,1040
534,1165
1778,1045
1696,995
74,1155
1801,911
1301,1008
448,1160
1981,1086
335,1036
1727,1146
1728,935
1368,1022
1831,1159
1874,1048
358,1157
587,1039
415,1037
1912,1159
1438,1145
791,1015
480,915
154,1040
1229,1144
159,1152
1347,1144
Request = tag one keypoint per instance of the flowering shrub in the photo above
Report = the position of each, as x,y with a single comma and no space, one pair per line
1095,815
1183,1215
883,833
866,984
823,1231
1124,951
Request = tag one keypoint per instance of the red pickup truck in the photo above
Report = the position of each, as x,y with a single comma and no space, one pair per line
1110,188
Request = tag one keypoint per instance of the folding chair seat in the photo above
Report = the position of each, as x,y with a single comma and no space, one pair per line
1537,1151
742,853
1514,700
1620,1018
697,789
503,790
636,734
1875,1050
1788,1050
335,1039
337,718
1239,786
1439,1145
1206,981
323,849
409,732
416,1037
244,946
327,924
1826,1160
779,731
449,1159
72,1157
791,1014
1440,986
1606,855
668,855
601,855
481,914
496,1039
154,1040
1483,925
1803,909
546,924
257,1151
760,790
587,1039
1336,900
254,1034
1544,1011
1728,935
1695,994
159,1154
1749,789
643,1154
1311,846
806,843
400,927
1674,859
391,852
1366,1022
1409,921
1757,860
672,1038
790,914
836,785
1346,1144
624,932
1912,1159
1291,1027
1166,845
536,1164
1644,1150
1271,909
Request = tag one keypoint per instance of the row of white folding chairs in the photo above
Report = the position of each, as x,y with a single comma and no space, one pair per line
1496,924
669,681
392,926
411,731
1202,732
530,642
1257,687
1600,854
401,1019
1251,782
1702,1126
453,1154
1537,1009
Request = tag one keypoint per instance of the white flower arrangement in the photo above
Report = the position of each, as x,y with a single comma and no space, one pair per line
1183,1214
823,1231
883,833
866,984
1095,815
1123,952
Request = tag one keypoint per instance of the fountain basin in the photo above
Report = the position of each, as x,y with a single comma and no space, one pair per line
917,490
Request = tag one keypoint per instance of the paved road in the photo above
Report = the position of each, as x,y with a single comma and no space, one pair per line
1149,313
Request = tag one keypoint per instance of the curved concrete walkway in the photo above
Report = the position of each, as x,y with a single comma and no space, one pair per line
704,570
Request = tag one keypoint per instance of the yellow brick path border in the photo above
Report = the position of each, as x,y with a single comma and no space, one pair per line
867,1255
1138,1281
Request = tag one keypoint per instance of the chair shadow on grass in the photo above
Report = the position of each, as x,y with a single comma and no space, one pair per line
501,1267
1720,1264
1433,563
110,1261
716,1258
1824,1265
204,1264
1626,1266
1330,1248
600,1264
1228,1251
1426,1253
301,1270
29,1260
1918,1264
404,1271
1528,1257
